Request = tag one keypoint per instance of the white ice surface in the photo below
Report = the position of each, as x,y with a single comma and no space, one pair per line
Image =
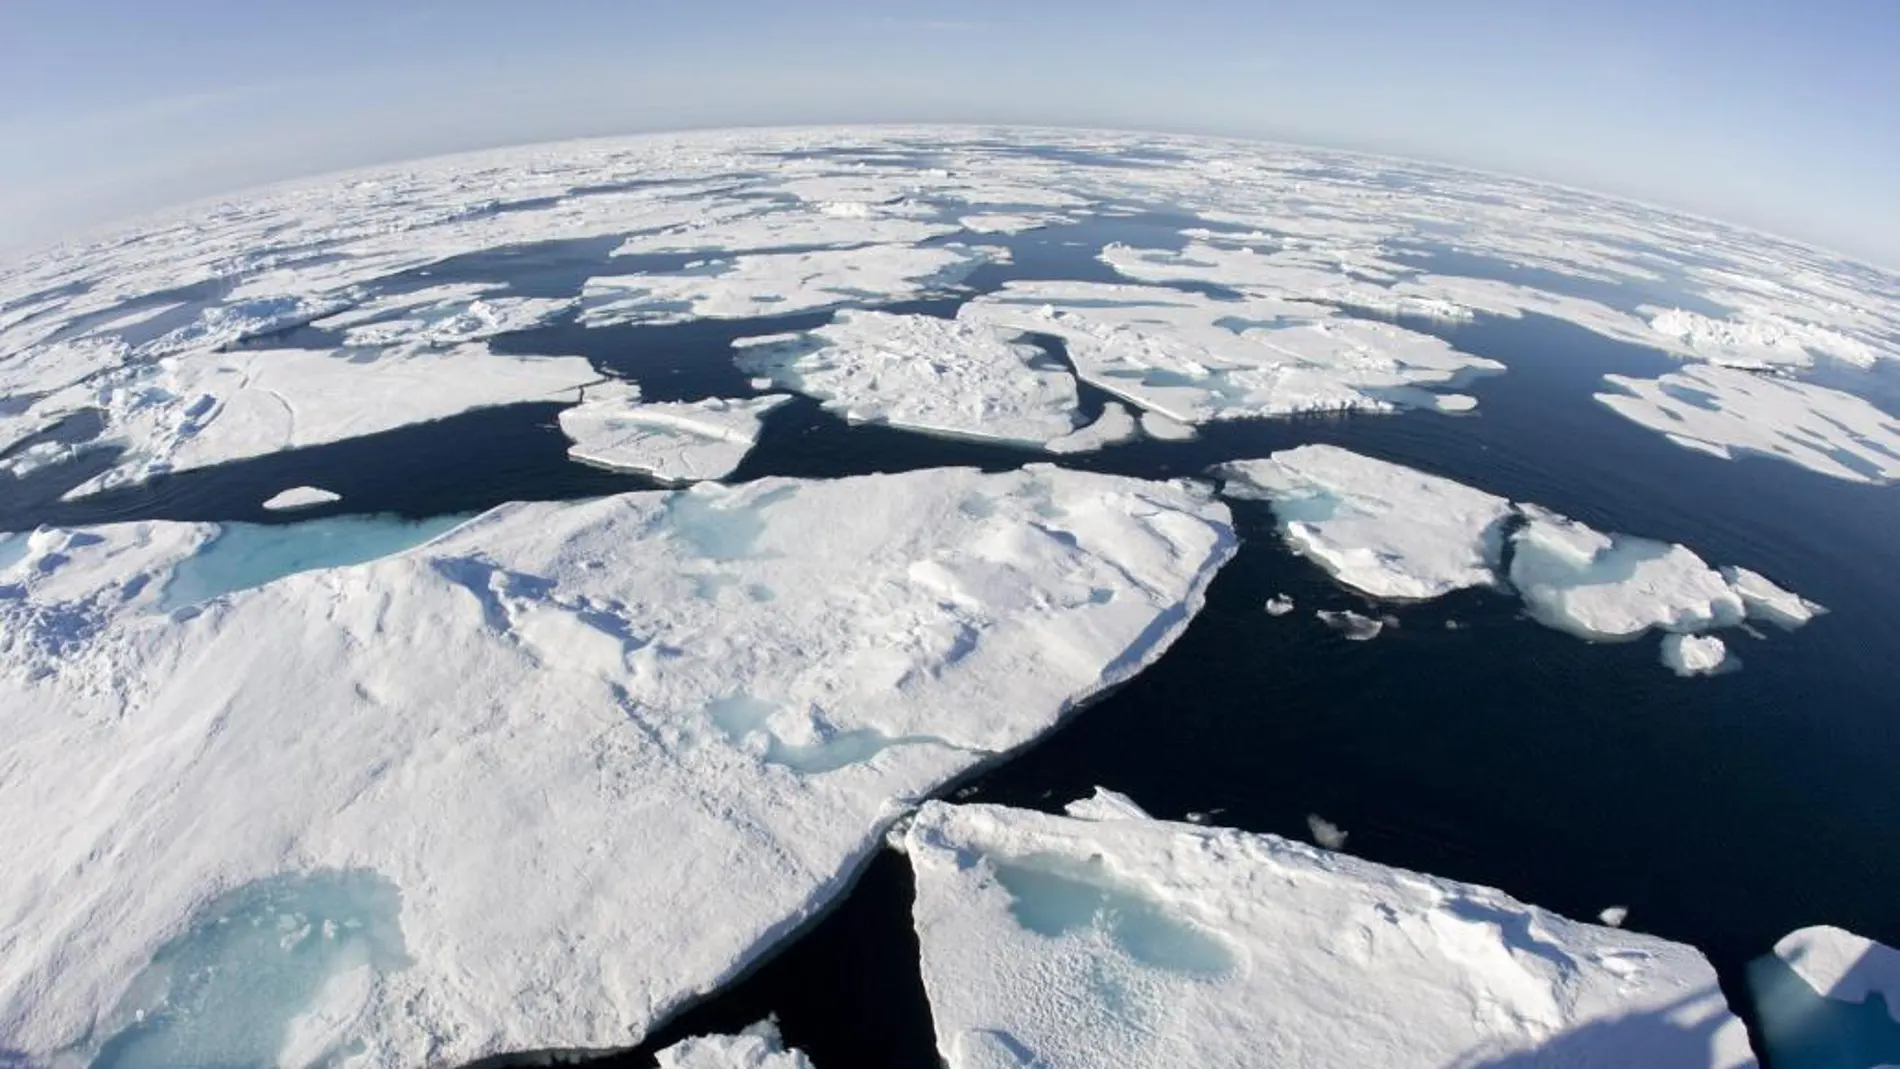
1770,603
573,764
443,316
758,1047
778,284
1380,528
1279,605
1760,340
675,442
1112,427
934,375
1196,359
1610,586
300,497
1728,412
207,408
1119,941
1356,627
1838,964
1695,655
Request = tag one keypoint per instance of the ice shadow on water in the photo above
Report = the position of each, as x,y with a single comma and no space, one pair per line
1803,1029
1681,1035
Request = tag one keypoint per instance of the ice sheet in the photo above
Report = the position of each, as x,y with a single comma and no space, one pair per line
1119,941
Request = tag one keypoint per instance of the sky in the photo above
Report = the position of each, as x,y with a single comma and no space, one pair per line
1778,114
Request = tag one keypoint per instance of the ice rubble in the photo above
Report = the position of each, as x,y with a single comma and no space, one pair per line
758,1047
1193,358
1391,532
930,374
300,497
1379,528
1107,939
735,688
675,442
442,316
1760,340
778,284
1696,655
1726,412
1828,999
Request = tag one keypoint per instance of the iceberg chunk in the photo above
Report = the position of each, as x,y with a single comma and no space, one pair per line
1356,627
300,497
1726,412
675,442
1380,528
1615,587
1696,655
1828,999
758,1047
550,688
930,374
1061,942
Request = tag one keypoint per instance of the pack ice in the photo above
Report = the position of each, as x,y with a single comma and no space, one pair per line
538,782
1391,532
1828,999
758,1047
1105,938
675,442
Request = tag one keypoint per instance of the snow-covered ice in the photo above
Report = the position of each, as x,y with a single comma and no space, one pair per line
1114,426
1609,586
935,375
758,1047
675,442
443,316
1696,655
691,713
240,556
1325,833
1279,605
300,497
1356,627
1727,412
1828,999
1116,941
1380,528
1770,603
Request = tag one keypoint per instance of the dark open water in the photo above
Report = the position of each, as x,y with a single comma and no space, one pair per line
1724,812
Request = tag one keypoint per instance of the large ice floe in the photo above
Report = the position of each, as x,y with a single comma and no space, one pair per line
534,783
675,442
1828,999
1728,412
1194,359
935,375
1390,532
1104,938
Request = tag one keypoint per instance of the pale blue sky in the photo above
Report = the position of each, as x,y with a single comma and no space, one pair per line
1783,115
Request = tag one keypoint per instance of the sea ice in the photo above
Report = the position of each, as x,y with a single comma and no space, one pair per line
1727,412
1828,999
240,556
1696,655
1604,586
1768,602
1377,527
675,442
1279,605
758,1047
935,375
1112,427
1356,627
300,497
1117,941
443,316
522,733
1760,340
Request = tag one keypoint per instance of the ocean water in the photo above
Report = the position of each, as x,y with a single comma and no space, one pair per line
1722,812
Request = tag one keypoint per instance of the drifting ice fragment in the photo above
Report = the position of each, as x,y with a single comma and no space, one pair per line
301,497
1766,601
1355,627
1615,587
1066,943
758,1047
676,442
1325,832
1614,916
1697,655
1112,427
1279,605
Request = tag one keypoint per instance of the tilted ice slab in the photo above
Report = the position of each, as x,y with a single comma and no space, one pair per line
206,408
300,497
1196,359
937,375
675,442
777,284
1611,586
1815,997
539,781
1112,940
758,1047
1727,412
1380,528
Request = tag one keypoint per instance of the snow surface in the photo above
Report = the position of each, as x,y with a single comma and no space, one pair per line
691,713
1112,427
758,1047
1696,655
1726,413
1380,528
1770,603
1607,586
935,375
1838,964
300,497
1195,359
1120,941
675,442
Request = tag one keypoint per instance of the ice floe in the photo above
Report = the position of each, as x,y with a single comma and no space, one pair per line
1828,999
1356,627
675,442
1727,412
936,375
300,497
1696,655
1279,605
537,782
1112,427
1118,941
1380,528
443,316
1770,603
758,1047
1610,586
